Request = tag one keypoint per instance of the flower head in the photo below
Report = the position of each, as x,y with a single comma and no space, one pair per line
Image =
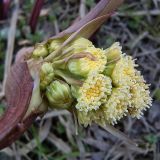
117,105
115,108
140,96
99,64
93,92
125,74
123,71
85,66
129,96
81,67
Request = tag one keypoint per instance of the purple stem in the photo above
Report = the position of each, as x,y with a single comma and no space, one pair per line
35,14
4,8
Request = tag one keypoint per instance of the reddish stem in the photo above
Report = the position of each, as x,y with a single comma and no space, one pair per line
35,14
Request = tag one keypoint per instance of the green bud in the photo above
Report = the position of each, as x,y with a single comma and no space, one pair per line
82,42
114,52
55,44
78,45
59,95
79,67
109,69
40,51
46,74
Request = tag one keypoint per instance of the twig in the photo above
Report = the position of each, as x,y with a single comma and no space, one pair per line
56,26
52,114
10,45
15,151
138,39
155,12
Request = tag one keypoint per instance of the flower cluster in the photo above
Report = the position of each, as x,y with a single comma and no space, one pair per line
101,86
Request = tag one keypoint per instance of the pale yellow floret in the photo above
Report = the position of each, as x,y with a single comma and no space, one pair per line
93,92
125,74
140,96
112,111
123,71
85,66
100,59
82,67
117,105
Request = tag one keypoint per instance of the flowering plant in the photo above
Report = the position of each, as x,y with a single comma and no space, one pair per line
68,72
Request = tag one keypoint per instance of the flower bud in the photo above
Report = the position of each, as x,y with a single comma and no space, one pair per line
84,66
59,95
79,67
114,52
40,51
46,74
78,45
55,44
82,42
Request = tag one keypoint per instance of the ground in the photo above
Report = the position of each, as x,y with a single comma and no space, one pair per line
136,26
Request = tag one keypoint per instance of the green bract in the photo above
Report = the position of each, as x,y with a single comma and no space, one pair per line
79,67
59,95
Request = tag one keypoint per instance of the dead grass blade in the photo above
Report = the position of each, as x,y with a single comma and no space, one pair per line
104,7
131,144
10,45
59,143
